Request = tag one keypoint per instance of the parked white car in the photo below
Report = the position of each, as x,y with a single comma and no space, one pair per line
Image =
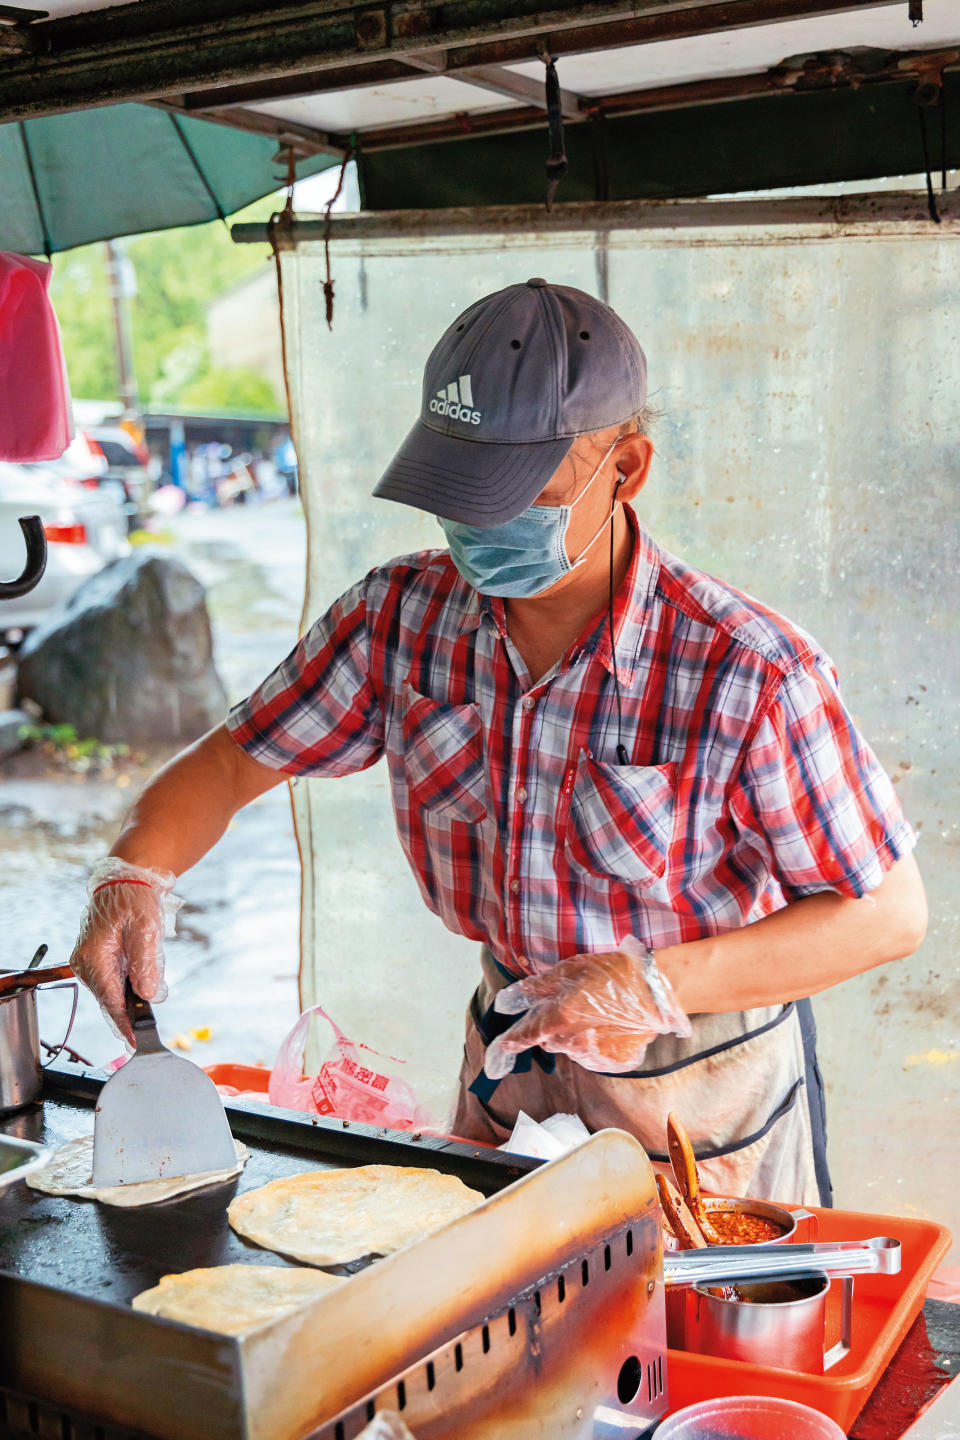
85,530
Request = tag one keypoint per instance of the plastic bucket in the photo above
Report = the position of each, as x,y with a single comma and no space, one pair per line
748,1417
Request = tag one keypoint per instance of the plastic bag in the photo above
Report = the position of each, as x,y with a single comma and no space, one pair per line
354,1082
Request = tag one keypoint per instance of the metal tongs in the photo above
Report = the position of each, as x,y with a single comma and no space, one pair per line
879,1256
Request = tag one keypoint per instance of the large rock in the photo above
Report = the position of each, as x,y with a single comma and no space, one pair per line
130,658
11,724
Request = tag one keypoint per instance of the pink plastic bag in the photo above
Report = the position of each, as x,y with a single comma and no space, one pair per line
354,1082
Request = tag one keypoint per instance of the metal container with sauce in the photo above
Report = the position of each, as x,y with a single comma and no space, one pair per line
787,1221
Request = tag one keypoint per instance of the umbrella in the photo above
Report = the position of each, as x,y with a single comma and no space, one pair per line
90,175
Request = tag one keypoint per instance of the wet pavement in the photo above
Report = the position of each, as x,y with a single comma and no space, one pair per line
233,967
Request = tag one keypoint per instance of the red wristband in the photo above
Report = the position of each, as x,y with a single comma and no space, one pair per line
121,882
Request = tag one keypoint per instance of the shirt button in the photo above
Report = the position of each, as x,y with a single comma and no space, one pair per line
521,962
514,887
529,703
521,796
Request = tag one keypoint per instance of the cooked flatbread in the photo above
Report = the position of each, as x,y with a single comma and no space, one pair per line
69,1171
327,1217
233,1299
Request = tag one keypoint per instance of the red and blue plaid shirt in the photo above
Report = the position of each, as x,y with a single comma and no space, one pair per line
748,783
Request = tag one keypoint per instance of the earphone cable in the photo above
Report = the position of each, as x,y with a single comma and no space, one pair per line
622,756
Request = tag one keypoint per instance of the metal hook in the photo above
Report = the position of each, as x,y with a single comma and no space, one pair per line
36,562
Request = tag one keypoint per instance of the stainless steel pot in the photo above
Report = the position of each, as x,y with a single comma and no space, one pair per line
788,1220
21,1073
21,1068
778,1323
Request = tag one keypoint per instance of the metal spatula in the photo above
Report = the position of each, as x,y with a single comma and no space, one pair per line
159,1116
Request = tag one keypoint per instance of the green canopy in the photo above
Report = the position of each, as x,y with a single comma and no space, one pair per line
89,175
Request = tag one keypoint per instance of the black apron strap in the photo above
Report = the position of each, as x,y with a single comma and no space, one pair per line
490,1024
816,1102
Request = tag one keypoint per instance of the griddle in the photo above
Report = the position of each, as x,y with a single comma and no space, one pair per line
109,1254
537,1316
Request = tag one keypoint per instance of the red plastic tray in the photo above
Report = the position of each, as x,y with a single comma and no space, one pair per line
884,1308
241,1077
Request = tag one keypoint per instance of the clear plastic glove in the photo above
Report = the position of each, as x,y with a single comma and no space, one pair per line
129,911
386,1425
601,1010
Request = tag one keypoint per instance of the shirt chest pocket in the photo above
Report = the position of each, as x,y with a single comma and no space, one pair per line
617,821
443,758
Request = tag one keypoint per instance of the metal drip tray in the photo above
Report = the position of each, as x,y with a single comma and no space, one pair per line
581,1354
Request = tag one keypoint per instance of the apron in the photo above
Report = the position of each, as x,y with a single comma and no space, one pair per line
746,1086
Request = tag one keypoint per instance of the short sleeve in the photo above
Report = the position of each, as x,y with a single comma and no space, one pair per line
815,796
318,713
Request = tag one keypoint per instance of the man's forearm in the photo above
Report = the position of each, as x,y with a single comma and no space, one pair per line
188,804
804,948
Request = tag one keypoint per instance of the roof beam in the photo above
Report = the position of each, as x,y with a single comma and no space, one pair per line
303,140
296,87
520,87
890,213
499,80
799,74
15,35
152,48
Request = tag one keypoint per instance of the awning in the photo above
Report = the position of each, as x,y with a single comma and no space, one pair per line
447,105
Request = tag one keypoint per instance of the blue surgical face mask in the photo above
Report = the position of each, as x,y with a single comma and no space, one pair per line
524,556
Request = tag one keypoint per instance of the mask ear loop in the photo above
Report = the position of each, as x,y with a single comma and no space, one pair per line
622,757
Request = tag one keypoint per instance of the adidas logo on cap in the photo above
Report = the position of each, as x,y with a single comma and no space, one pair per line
456,401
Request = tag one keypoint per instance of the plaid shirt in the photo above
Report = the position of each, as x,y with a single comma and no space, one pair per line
748,783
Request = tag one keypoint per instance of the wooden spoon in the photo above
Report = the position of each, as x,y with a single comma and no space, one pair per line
688,1236
684,1165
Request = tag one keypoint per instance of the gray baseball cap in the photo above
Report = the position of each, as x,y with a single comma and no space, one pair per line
506,391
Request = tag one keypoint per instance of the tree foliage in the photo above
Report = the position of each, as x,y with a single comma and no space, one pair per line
233,388
178,273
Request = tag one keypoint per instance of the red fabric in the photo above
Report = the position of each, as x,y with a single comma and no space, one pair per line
748,783
35,416
106,883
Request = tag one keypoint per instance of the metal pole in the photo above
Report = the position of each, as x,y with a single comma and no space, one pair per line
119,293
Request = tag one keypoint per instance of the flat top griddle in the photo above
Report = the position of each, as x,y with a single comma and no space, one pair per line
112,1254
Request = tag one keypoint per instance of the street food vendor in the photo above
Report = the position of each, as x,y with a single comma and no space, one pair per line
636,787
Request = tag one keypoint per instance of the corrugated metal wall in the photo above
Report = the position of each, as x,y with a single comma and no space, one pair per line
809,452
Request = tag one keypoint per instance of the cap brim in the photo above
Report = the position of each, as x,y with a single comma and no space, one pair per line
475,481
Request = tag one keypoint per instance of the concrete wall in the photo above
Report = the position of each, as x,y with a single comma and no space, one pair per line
808,453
